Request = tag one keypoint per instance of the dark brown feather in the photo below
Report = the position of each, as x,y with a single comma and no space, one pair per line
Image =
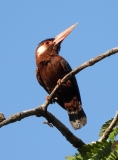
50,68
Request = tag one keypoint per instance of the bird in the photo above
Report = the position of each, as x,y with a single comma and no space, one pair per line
51,68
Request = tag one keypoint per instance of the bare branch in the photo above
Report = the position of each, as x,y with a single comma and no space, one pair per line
76,142
109,129
41,110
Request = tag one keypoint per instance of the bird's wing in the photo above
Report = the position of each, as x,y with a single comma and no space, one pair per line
65,66
72,80
40,80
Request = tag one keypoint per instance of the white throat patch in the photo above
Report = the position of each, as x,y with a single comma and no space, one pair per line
41,49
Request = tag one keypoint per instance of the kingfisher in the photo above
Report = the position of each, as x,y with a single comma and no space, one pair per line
51,68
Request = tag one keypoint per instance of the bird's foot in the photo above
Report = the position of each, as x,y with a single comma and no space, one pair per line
59,82
50,101
47,122
66,84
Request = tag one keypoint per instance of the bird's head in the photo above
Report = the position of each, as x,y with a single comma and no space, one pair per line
54,43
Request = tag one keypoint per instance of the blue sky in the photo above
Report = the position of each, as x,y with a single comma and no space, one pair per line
23,24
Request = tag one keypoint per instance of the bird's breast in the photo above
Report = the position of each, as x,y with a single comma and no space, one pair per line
50,71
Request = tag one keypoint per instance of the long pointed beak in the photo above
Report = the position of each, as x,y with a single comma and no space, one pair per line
60,37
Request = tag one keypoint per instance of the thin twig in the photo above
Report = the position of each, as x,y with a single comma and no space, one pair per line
109,129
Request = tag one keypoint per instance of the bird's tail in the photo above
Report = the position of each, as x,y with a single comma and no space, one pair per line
77,118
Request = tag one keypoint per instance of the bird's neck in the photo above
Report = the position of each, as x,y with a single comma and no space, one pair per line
46,56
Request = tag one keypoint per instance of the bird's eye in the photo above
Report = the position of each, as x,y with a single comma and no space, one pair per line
47,42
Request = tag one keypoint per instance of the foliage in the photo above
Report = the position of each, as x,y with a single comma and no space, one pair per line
105,126
105,150
113,134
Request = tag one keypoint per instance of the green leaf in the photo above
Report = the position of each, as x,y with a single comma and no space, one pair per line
113,134
104,151
114,146
113,155
70,158
105,126
95,151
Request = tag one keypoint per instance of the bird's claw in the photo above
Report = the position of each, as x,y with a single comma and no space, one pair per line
59,82
66,84
50,101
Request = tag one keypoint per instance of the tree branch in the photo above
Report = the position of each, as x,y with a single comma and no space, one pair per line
109,129
41,110
76,142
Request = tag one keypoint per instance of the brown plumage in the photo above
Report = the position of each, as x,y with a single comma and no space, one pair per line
50,68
